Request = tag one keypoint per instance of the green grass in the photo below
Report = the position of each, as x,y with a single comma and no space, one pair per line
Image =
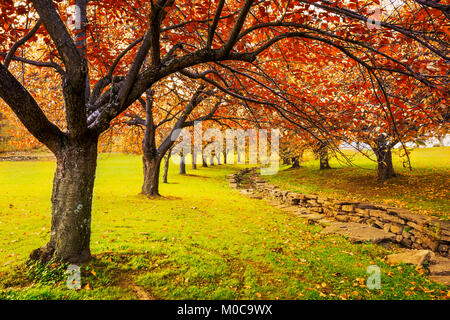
423,190
202,240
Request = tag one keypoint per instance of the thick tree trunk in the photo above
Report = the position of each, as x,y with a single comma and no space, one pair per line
204,162
151,159
295,162
323,157
152,164
382,150
385,169
324,164
211,160
225,156
73,186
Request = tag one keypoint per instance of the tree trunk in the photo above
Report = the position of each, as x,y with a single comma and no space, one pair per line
385,169
225,156
324,161
166,166
151,159
382,150
323,156
204,162
211,161
182,164
295,163
152,164
73,186
194,160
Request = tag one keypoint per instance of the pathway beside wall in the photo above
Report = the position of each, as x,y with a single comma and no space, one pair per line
427,237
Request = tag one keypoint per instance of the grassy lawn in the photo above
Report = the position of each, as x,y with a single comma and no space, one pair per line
202,240
423,190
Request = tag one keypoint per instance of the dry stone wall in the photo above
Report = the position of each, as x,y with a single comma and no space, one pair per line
411,230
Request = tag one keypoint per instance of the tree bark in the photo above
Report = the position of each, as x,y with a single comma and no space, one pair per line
194,160
295,162
323,157
166,166
204,162
182,164
225,155
73,186
286,160
383,152
151,158
385,168
152,164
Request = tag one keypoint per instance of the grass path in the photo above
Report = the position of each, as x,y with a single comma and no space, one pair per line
424,190
200,241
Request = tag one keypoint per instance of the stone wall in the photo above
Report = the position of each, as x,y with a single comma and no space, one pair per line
411,230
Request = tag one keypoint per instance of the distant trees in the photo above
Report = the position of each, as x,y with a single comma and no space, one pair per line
175,115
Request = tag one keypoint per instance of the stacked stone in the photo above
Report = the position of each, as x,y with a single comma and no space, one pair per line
233,180
411,230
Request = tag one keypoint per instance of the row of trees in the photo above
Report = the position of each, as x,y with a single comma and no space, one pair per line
325,70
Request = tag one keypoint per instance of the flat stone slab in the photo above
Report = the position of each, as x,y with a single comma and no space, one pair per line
445,280
440,266
314,217
415,257
293,209
358,232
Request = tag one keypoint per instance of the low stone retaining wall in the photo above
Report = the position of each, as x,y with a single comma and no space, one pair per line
410,230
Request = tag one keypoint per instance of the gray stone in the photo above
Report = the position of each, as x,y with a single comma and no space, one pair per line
348,208
359,232
393,219
341,217
406,242
397,229
376,213
430,243
415,257
313,216
364,205
440,266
